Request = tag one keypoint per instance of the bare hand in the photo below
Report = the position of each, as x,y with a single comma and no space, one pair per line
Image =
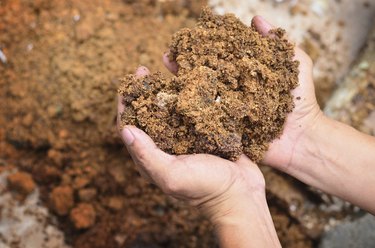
305,115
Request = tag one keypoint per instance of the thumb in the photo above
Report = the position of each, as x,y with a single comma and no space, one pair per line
146,154
171,65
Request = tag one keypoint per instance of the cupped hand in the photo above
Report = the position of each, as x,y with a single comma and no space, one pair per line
218,186
305,115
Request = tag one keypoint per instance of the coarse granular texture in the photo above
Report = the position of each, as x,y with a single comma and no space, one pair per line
231,95
83,216
62,199
22,183
58,123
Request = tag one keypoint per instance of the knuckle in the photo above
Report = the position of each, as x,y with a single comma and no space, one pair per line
171,184
141,157
169,188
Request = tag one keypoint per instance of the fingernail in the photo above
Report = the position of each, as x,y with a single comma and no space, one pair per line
264,21
142,71
128,136
260,18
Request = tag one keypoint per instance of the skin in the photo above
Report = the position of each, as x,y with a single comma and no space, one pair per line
319,151
316,150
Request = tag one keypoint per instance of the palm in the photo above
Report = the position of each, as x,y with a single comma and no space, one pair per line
210,176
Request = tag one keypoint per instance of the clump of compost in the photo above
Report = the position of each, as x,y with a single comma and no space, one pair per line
231,94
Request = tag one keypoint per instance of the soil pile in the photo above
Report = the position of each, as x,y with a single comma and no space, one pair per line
231,94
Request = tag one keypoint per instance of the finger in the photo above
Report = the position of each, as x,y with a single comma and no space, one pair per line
305,68
146,154
249,167
301,55
244,161
171,65
142,71
261,25
264,27
144,174
305,76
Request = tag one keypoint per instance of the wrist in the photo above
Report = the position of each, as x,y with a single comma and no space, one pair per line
248,215
305,148
245,187
237,210
314,156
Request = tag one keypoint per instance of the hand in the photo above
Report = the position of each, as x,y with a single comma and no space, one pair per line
305,115
319,151
215,185
231,194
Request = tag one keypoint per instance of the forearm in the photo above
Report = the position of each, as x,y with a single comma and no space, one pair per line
339,160
249,226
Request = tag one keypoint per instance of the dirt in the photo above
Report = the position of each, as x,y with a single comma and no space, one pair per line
83,216
22,183
26,223
231,94
61,199
78,33
64,59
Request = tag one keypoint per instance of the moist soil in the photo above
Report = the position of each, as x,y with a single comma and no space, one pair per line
58,122
231,94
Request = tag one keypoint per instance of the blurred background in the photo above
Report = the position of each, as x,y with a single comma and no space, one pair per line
65,180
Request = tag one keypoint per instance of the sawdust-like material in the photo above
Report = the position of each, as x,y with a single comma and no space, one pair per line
231,94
